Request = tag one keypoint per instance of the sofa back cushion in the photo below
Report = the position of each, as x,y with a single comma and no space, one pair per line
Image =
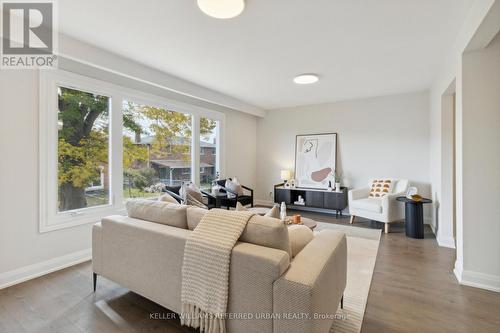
194,216
267,231
174,215
260,230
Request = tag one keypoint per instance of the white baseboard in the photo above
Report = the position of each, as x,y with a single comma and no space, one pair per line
29,272
267,203
445,241
477,280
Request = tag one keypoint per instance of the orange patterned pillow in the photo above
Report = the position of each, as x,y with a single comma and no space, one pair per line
381,187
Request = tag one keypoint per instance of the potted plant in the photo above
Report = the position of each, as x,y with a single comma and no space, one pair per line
338,178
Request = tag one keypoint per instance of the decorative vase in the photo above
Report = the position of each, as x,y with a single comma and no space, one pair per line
283,211
337,187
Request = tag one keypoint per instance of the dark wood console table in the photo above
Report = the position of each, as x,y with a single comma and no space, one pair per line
316,200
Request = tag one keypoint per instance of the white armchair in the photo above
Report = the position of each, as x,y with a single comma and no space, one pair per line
384,209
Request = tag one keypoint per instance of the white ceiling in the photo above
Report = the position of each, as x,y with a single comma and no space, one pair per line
360,48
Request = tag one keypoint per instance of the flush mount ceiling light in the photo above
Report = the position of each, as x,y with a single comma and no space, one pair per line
222,9
306,79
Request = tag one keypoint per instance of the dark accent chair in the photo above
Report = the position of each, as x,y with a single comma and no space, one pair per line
174,191
244,199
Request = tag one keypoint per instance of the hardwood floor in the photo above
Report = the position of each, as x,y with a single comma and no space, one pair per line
413,290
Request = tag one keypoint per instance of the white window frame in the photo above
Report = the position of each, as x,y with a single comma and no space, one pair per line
50,80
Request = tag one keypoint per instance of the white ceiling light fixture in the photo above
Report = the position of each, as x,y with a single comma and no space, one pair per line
306,79
222,9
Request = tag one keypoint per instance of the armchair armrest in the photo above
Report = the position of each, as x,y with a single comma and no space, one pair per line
251,191
207,194
314,283
248,189
391,207
358,193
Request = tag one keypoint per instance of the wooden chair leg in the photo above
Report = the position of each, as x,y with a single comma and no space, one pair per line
342,302
386,228
352,219
94,277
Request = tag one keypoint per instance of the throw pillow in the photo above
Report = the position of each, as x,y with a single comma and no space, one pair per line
194,196
381,187
273,212
240,207
234,186
300,236
168,198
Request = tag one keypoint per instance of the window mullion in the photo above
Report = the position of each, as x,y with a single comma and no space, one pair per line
116,150
195,149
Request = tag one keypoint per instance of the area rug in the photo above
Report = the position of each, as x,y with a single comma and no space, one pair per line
362,247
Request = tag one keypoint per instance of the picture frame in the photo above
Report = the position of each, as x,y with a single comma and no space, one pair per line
315,159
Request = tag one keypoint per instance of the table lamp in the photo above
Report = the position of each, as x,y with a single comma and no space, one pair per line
286,175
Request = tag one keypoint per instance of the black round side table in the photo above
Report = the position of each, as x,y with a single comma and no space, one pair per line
414,216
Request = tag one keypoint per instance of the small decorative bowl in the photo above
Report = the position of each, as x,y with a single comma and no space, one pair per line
416,198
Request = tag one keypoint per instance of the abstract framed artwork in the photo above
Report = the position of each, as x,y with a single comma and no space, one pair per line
315,159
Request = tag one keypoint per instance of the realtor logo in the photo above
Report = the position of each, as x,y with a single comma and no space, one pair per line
28,35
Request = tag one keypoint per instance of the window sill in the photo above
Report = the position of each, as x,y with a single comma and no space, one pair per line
87,218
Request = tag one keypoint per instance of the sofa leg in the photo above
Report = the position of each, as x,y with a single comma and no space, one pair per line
352,219
94,278
342,302
386,228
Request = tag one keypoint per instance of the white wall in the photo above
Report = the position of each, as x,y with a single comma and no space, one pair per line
480,177
20,242
24,252
377,137
445,222
450,72
241,147
482,23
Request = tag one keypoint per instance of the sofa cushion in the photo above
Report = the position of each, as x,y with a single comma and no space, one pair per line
174,215
369,204
300,236
194,216
260,230
267,231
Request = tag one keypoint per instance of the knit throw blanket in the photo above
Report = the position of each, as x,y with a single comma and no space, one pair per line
205,269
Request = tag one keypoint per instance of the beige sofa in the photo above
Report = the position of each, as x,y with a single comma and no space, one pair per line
275,293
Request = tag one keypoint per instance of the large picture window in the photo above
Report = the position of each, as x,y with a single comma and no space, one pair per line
208,151
102,144
82,149
156,149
